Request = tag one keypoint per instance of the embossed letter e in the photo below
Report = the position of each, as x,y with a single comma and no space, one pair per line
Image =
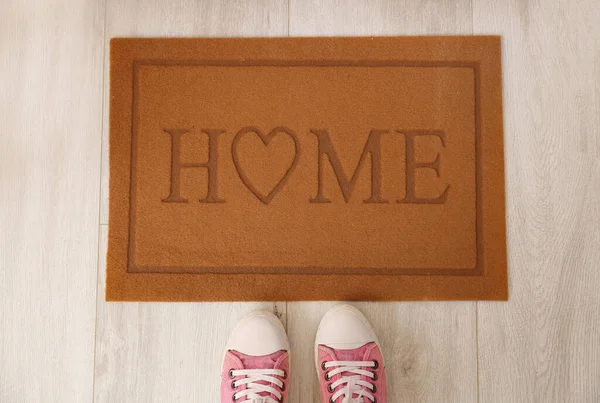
211,166
412,165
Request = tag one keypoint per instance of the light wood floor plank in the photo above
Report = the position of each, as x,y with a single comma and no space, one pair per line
379,17
51,57
430,348
543,345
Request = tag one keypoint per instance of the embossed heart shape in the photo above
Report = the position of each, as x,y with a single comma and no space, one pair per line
266,140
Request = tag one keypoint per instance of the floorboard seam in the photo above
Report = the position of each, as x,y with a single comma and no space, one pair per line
98,268
288,16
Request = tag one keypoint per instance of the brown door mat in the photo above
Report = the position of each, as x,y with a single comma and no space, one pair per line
306,169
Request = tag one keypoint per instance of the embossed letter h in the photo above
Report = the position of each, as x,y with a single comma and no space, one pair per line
211,166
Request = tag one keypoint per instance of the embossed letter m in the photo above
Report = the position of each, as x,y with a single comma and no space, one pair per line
372,147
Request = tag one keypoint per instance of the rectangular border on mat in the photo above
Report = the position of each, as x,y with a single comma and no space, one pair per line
475,271
487,281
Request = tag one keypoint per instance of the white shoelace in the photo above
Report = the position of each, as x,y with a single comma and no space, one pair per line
354,389
251,377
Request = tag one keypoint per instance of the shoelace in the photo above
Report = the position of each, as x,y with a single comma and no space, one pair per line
251,377
353,388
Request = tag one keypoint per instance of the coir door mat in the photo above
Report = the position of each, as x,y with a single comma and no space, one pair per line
306,169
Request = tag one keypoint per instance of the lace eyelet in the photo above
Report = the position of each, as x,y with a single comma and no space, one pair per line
323,365
282,387
330,389
234,386
376,364
375,400
284,375
231,373
233,398
331,400
375,377
374,389
327,377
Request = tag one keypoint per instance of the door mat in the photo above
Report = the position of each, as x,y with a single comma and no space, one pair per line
306,169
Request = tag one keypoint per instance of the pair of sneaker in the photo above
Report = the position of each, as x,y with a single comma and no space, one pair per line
348,359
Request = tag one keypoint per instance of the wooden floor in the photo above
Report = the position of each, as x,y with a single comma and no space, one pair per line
59,340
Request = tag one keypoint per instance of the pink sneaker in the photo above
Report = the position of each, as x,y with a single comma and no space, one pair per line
257,361
348,358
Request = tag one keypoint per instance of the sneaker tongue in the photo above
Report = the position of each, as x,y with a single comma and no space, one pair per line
355,354
258,362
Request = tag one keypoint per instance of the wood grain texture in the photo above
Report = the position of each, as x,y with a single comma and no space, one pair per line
379,17
162,352
543,345
430,348
50,103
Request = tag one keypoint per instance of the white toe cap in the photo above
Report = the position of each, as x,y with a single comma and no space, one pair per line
345,327
259,333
